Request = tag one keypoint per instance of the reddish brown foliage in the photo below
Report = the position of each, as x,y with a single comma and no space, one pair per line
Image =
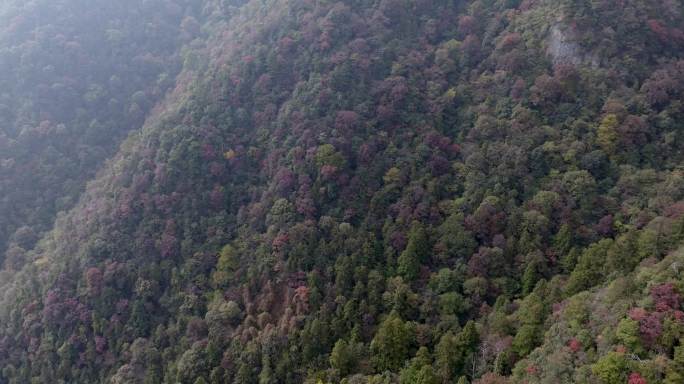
659,29
665,297
635,378
651,327
574,345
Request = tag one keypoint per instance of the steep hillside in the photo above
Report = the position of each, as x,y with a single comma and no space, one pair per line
629,331
391,191
76,77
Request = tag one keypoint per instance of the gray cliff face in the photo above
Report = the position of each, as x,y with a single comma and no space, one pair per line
563,48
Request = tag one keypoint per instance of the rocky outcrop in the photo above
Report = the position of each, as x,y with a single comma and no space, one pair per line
563,48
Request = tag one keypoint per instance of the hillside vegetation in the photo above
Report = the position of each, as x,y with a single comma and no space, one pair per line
390,191
75,78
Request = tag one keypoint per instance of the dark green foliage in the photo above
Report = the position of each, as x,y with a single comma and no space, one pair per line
416,253
589,270
392,343
454,352
346,356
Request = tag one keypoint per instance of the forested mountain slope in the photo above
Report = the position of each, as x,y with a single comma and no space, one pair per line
626,332
391,191
75,78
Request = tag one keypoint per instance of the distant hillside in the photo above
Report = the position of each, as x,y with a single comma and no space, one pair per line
75,78
393,191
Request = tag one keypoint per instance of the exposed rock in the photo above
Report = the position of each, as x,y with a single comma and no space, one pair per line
564,49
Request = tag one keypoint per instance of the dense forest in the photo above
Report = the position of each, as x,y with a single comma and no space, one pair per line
76,76
358,192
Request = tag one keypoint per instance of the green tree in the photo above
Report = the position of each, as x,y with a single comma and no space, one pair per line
227,264
562,243
345,356
191,364
675,371
589,269
419,370
327,155
454,241
452,304
392,343
140,318
266,375
627,332
623,256
607,133
418,375
612,368
453,352
526,339
502,363
416,252
448,360
530,276
530,314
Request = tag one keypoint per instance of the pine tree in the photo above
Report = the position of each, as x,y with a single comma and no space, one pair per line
453,352
416,252
226,266
392,343
607,134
